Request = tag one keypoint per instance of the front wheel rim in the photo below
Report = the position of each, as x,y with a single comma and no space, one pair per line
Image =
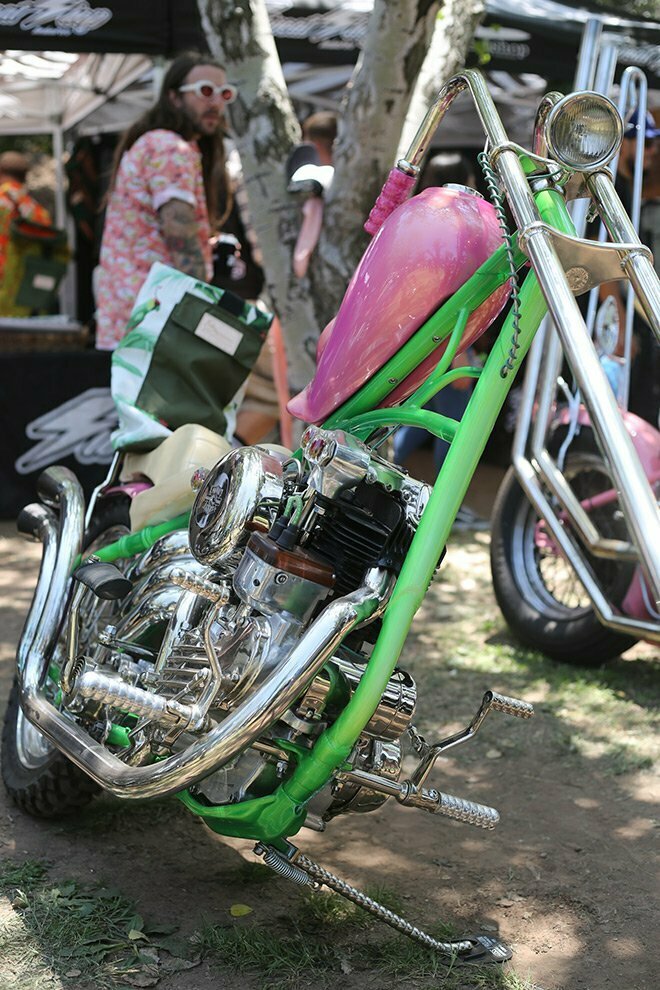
552,586
32,748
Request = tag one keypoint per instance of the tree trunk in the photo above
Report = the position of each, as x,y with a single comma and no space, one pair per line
370,125
454,30
265,129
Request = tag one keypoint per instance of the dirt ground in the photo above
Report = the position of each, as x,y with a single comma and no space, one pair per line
567,879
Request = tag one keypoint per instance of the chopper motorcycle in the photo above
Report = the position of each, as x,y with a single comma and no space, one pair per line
242,653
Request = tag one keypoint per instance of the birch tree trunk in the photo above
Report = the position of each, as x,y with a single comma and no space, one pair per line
265,129
454,29
370,123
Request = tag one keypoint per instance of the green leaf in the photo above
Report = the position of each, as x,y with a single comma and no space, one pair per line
239,910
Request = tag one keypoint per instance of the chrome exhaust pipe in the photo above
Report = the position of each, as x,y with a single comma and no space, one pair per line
62,539
223,743
38,523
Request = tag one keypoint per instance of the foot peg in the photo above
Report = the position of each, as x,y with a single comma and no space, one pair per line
509,706
464,811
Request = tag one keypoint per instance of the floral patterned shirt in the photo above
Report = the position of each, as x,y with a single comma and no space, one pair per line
159,167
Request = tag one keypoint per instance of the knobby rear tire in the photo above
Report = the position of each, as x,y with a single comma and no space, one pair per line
43,782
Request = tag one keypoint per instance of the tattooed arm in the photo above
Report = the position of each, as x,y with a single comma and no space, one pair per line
179,229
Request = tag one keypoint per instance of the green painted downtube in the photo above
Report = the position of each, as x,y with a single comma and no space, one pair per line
283,813
134,543
334,746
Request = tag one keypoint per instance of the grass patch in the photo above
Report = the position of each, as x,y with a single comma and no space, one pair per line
78,933
607,714
281,960
18,875
330,910
297,960
331,939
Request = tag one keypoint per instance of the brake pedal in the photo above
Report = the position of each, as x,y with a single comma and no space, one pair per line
491,702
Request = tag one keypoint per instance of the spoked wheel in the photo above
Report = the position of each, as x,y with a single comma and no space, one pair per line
39,778
536,588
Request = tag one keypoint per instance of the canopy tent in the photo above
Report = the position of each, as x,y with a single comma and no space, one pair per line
46,89
318,41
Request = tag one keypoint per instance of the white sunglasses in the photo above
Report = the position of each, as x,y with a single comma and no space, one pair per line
206,89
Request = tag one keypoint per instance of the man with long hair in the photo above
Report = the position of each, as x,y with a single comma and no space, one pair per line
168,190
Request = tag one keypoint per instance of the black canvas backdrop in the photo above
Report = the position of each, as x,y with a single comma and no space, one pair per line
317,31
34,384
149,27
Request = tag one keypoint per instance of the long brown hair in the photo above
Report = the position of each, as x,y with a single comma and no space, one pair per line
164,114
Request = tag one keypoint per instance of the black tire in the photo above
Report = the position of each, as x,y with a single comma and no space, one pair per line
537,590
38,777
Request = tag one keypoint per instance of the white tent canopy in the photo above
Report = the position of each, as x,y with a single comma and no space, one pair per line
54,92
42,91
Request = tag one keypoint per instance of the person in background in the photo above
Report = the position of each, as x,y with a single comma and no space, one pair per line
15,200
320,129
644,388
168,190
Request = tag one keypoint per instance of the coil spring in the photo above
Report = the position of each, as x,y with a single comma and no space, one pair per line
498,204
281,866
70,673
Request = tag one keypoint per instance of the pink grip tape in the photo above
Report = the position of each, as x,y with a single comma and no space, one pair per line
395,191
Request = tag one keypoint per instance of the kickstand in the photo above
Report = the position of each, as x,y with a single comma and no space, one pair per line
477,949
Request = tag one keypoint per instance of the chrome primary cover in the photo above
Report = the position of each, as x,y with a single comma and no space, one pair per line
241,495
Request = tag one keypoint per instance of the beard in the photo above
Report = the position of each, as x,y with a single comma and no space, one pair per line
205,123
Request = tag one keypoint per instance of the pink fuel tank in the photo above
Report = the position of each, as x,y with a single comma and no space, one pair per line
422,254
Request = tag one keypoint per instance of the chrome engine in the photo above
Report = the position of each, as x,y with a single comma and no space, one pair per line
212,613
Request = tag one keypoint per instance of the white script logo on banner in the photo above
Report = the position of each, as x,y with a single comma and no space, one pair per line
58,17
80,427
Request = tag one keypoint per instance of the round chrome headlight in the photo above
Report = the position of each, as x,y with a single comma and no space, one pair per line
583,131
240,495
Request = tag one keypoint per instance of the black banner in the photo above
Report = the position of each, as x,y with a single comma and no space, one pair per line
148,27
55,408
319,32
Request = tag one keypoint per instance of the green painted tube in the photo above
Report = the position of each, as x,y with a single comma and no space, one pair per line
552,207
134,543
424,419
334,746
118,736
